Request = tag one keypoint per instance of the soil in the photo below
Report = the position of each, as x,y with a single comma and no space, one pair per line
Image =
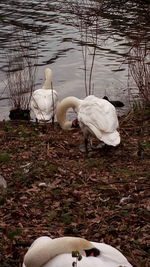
54,189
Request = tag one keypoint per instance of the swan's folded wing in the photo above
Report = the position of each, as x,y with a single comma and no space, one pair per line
43,103
66,260
99,113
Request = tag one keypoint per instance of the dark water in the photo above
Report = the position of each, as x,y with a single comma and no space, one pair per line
54,33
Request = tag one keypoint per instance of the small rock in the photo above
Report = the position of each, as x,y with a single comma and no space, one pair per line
3,183
3,188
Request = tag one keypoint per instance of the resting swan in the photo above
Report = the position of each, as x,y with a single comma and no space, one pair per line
47,252
95,116
44,100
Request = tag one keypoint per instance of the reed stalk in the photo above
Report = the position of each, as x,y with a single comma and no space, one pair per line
86,18
21,70
139,70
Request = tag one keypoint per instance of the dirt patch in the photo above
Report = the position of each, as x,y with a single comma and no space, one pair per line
55,190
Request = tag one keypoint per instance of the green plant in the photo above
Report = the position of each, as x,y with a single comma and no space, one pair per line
11,235
52,169
4,157
66,218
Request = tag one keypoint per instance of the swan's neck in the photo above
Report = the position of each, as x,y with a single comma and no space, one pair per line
62,107
48,79
38,255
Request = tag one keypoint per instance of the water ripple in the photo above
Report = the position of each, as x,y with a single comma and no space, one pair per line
52,29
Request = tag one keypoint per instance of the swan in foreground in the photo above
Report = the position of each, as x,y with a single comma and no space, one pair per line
47,252
44,100
95,116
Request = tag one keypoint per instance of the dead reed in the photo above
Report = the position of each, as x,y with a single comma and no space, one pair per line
21,70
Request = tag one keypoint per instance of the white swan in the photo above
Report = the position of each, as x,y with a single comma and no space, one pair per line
96,116
44,100
47,252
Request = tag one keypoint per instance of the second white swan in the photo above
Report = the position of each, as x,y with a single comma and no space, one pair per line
44,100
95,116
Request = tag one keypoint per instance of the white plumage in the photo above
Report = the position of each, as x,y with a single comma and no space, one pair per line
99,117
47,252
96,116
44,100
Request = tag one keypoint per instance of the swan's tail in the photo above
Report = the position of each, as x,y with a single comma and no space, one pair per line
111,139
41,116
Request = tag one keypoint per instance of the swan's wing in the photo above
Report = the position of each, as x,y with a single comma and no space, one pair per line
43,99
43,103
109,257
99,117
66,260
99,113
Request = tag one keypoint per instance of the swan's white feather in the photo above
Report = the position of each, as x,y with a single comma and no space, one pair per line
99,117
109,256
43,103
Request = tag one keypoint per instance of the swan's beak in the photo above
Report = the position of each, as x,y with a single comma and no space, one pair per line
92,254
75,123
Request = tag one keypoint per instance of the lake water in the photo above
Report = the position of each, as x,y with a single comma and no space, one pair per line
53,27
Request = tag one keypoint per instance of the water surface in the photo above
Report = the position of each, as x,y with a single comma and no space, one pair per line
54,33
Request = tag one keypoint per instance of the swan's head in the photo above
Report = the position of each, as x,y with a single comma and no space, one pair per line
61,110
82,245
69,125
92,252
48,72
75,123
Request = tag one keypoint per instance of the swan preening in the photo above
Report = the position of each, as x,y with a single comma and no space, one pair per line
44,100
95,116
47,252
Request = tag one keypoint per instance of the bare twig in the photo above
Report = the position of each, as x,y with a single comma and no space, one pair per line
139,69
21,71
87,17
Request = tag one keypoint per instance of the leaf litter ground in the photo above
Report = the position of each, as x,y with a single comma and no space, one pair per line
54,189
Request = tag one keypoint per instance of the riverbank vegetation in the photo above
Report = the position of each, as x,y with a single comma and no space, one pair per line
21,65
